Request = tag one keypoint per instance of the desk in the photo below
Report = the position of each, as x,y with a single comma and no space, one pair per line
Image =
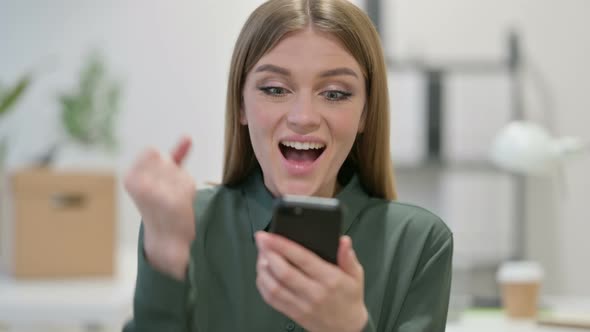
100,302
496,321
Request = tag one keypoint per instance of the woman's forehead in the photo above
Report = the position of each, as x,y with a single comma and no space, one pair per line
310,49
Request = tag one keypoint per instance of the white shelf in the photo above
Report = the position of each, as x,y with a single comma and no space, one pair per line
73,302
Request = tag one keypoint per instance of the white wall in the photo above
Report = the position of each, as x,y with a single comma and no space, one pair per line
557,45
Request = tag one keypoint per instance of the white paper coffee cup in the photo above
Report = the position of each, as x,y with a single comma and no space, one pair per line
520,283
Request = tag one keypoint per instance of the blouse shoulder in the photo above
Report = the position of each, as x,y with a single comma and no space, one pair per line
412,219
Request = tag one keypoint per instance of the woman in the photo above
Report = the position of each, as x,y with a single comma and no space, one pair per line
307,114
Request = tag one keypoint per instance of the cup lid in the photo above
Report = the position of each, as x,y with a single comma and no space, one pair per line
521,271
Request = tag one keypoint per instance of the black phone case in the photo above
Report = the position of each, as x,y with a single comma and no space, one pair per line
314,225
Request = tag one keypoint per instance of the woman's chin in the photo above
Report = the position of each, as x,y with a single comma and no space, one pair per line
298,187
297,190
304,188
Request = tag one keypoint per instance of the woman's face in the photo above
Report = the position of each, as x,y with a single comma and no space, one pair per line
304,104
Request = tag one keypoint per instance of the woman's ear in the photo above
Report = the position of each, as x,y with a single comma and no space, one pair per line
362,120
243,118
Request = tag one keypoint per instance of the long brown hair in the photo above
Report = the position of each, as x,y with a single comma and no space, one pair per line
370,154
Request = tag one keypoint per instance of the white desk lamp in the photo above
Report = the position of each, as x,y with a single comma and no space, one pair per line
527,148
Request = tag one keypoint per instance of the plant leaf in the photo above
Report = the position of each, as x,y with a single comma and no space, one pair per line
10,97
88,115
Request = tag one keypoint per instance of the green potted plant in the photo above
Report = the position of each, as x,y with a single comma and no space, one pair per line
88,112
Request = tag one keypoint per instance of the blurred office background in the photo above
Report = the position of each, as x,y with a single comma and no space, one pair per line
172,60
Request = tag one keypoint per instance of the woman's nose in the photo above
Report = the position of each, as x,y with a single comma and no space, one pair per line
303,117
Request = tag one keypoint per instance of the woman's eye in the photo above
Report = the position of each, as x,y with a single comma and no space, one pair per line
336,95
274,91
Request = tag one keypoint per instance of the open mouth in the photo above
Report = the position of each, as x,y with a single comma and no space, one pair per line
301,152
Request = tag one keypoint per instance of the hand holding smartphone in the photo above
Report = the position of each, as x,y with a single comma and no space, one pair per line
313,222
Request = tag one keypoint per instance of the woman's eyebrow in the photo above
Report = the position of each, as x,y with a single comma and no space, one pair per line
338,72
286,72
273,69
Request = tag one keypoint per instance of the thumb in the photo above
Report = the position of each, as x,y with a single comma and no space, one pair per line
181,150
347,259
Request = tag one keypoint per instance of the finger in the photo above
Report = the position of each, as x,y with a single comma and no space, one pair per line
292,278
261,263
275,294
302,258
347,259
181,150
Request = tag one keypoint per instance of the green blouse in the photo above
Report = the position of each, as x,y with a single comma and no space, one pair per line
406,253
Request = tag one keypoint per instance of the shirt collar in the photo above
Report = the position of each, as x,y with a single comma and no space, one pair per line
260,201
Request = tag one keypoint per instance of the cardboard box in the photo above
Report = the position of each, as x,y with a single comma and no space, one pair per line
58,224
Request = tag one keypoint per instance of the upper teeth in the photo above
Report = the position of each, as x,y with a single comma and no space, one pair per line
303,145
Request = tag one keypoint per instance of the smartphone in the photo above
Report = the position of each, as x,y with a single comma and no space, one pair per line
313,222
